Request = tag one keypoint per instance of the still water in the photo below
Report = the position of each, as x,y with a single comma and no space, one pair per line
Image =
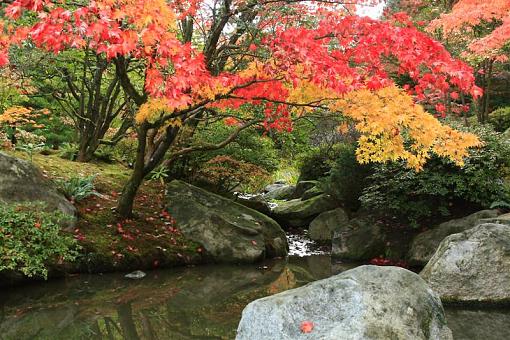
186,303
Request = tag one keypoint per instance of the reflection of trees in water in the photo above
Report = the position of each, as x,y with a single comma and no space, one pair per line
203,302
126,321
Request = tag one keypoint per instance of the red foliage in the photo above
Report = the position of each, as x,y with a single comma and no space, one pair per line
366,53
306,327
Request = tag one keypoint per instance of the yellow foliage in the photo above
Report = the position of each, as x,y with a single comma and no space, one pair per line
393,127
154,109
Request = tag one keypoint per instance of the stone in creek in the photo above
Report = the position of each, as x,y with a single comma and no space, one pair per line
136,275
472,266
367,302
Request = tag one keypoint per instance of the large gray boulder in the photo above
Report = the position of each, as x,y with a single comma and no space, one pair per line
425,244
229,232
257,202
22,182
360,239
367,302
322,227
315,191
279,192
298,213
472,266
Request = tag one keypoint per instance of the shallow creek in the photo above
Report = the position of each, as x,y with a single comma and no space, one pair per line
185,303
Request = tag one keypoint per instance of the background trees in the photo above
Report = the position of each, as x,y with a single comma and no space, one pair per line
188,64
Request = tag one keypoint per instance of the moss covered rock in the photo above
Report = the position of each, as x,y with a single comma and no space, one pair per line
228,232
299,213
22,182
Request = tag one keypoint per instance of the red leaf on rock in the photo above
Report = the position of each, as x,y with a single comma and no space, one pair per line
306,327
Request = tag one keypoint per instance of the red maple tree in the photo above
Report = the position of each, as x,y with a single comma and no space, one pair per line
199,58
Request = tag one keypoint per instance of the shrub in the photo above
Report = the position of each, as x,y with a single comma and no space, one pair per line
249,147
347,178
30,239
500,119
441,186
318,161
68,151
77,188
224,174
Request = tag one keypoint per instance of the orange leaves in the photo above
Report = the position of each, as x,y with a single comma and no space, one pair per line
466,14
393,127
17,115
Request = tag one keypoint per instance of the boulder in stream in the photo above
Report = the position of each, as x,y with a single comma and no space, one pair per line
472,266
362,238
425,244
322,227
299,213
304,186
228,231
280,192
367,302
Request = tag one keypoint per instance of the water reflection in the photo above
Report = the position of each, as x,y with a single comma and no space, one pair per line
188,303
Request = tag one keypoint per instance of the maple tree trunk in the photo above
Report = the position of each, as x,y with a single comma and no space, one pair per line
86,151
127,198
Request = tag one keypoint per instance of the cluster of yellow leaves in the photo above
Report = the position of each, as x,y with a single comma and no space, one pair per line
155,109
210,91
393,127
305,93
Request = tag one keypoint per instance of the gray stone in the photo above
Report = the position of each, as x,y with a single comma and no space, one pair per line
360,239
298,213
136,275
228,231
257,202
315,191
323,226
472,266
281,192
274,186
302,187
501,219
22,182
367,302
424,245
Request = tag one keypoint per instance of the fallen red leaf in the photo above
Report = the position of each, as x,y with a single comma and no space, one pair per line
306,327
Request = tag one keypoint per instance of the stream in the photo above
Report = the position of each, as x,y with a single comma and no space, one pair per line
203,302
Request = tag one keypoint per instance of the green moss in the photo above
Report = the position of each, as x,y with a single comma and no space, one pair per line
112,244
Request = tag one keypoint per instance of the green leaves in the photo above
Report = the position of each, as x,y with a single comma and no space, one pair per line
78,188
31,240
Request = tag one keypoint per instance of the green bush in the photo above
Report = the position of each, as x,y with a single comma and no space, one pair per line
347,178
441,186
77,188
250,147
318,161
30,240
500,119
